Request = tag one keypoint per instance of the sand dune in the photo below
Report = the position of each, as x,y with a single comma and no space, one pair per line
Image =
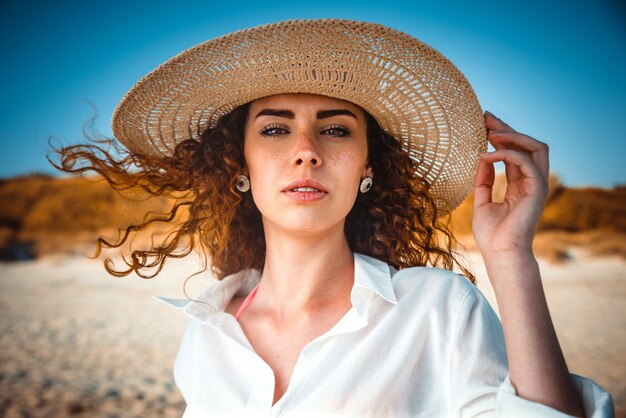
76,342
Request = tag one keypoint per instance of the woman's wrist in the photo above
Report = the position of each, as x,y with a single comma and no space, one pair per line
508,267
513,256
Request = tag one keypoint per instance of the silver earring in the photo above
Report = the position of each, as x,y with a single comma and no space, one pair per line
243,184
366,184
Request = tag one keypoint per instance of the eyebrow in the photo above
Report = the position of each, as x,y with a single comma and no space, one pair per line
322,114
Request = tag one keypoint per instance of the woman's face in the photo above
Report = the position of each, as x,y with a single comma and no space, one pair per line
306,156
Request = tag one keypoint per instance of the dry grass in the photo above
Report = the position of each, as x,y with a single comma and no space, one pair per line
556,245
48,215
579,210
589,218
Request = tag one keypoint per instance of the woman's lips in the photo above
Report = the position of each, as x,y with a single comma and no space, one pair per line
305,194
305,190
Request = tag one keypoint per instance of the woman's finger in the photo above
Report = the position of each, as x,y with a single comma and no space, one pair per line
512,171
537,150
519,159
483,183
493,122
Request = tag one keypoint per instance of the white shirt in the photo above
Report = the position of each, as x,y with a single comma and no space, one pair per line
419,342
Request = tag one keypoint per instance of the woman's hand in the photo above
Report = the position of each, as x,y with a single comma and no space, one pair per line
510,226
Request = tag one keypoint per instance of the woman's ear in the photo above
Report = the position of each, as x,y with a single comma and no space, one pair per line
244,170
368,172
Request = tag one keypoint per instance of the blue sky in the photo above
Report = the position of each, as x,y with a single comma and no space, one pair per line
554,70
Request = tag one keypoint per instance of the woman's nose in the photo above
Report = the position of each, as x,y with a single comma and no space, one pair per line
306,152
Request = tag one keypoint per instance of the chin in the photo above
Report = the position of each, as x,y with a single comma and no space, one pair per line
309,226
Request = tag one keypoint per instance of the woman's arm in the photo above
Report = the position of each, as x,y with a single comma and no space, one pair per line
504,234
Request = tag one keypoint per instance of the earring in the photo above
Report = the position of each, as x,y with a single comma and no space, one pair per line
366,184
243,184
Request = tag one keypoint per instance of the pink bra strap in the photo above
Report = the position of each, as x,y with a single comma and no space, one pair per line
247,301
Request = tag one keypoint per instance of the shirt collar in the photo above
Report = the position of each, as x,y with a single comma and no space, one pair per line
375,275
370,274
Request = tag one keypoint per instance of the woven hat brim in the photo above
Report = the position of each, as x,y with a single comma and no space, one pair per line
414,92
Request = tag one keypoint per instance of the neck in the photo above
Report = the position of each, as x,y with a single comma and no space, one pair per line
304,274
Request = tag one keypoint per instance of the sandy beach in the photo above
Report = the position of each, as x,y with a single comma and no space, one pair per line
77,342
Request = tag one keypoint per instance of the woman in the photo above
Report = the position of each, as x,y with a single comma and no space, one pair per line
316,158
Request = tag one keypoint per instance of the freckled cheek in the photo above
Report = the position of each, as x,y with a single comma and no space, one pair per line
347,162
265,169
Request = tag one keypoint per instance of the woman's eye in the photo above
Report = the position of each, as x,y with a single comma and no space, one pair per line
273,130
337,131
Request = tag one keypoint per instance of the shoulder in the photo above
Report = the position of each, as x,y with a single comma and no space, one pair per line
446,301
442,295
435,283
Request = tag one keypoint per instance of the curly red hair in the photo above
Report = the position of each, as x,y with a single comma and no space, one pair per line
397,221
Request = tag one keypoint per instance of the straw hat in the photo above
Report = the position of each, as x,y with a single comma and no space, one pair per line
414,92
